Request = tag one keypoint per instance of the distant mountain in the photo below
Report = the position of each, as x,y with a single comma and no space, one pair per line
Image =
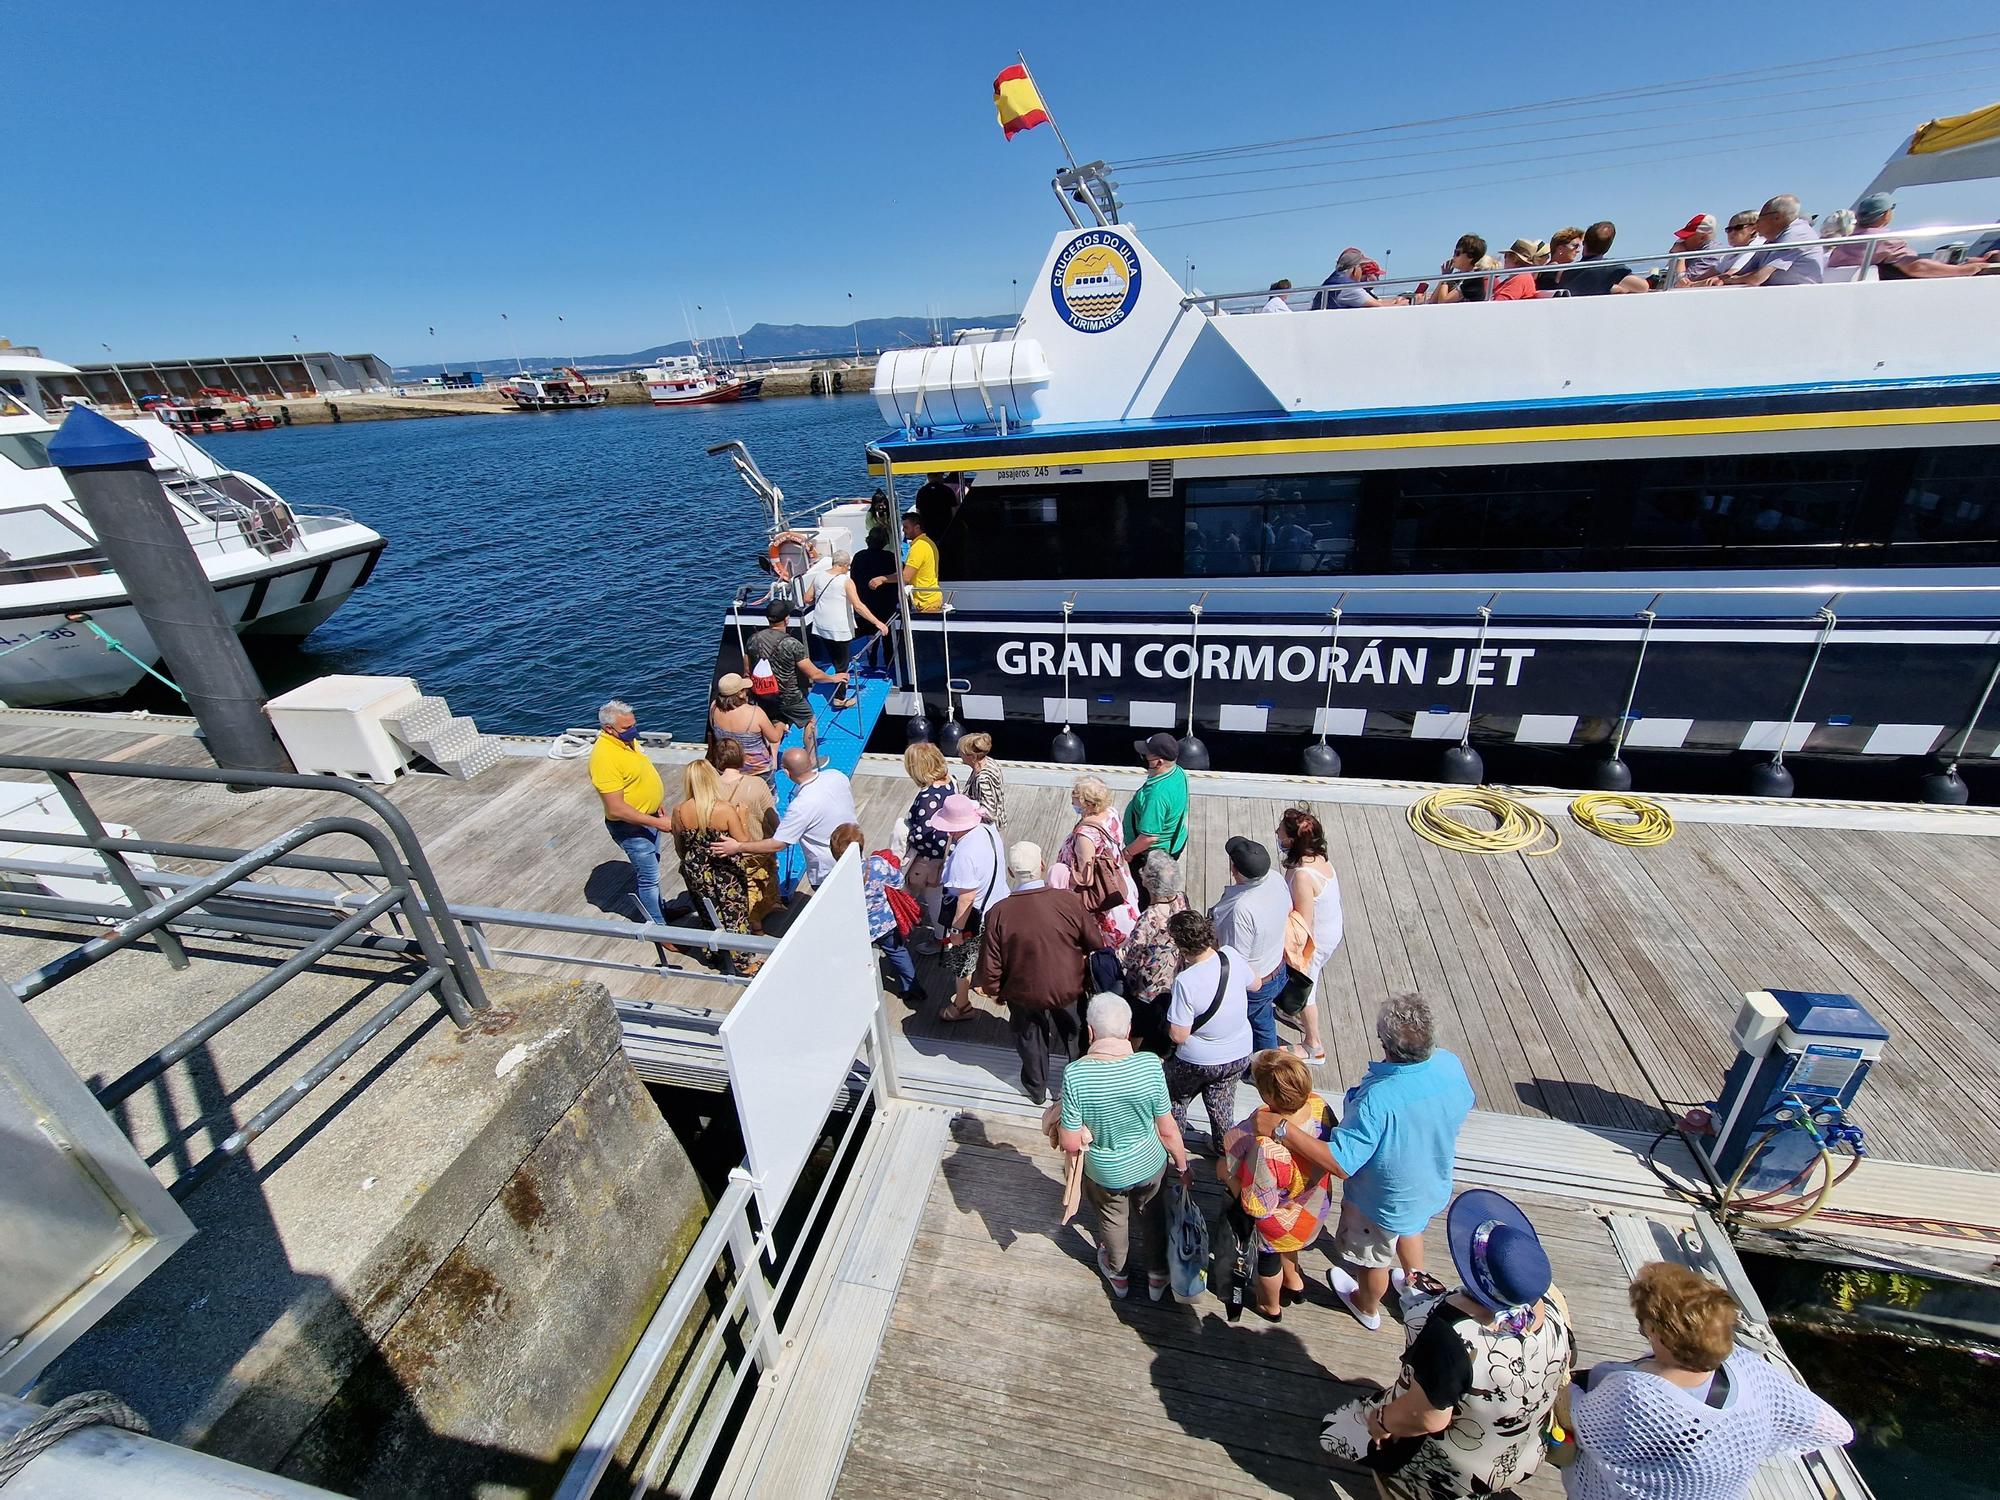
761,341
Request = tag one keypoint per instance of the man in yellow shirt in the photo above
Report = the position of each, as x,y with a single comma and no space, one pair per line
920,566
629,784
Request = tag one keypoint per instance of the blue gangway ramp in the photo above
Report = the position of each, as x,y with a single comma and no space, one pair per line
843,735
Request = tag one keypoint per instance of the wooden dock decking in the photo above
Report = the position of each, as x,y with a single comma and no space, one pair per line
1588,986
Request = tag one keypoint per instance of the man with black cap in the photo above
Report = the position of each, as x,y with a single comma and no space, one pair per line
1156,817
1250,917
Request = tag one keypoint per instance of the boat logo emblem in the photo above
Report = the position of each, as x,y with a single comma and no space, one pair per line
1095,283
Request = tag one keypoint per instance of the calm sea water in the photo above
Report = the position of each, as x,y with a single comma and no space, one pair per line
539,564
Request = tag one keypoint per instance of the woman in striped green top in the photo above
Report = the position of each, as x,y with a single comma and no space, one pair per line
1115,1111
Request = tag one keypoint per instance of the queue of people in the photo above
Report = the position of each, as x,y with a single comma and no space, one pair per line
1768,246
1487,1386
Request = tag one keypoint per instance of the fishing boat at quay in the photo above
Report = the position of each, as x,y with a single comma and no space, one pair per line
689,380
279,569
561,389
1544,523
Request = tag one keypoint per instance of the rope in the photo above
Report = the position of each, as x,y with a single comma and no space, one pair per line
112,643
1517,826
1638,822
572,744
71,1414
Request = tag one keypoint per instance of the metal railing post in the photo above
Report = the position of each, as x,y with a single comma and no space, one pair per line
1649,614
759,1306
884,1076
100,840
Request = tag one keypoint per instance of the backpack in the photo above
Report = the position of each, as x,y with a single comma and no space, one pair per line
763,679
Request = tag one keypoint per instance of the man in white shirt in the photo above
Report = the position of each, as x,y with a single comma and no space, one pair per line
821,802
1208,1021
1251,918
1781,263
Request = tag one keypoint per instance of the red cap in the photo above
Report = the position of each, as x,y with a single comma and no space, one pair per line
1368,270
1699,224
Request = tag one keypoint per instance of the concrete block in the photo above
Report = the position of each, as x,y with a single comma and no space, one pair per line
362,1263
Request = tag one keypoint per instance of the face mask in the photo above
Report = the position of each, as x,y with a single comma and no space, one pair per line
1077,808
628,735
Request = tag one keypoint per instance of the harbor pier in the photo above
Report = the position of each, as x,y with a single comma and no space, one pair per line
1589,992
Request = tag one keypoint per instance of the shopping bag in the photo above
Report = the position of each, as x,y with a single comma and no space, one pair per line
1187,1242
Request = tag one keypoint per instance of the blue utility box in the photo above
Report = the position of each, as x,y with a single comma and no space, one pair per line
1801,1059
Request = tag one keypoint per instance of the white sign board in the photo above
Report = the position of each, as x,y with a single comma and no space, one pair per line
791,1041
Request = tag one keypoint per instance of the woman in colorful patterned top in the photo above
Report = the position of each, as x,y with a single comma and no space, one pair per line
923,865
1286,1199
985,785
1149,959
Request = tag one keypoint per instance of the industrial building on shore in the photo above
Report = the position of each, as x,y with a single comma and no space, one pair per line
262,377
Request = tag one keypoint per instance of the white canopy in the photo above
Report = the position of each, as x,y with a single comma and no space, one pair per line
1957,148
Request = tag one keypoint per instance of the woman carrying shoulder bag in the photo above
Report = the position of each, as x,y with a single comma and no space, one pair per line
1091,862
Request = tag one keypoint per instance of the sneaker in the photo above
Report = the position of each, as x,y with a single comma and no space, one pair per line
1120,1285
1344,1287
915,996
1398,1280
1156,1286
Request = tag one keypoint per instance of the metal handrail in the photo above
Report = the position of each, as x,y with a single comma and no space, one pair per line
133,925
1671,258
461,979
1292,586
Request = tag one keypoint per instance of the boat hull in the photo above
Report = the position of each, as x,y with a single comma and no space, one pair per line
558,403
735,390
1263,685
67,663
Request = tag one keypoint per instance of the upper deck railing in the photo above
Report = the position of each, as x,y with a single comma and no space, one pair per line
1300,299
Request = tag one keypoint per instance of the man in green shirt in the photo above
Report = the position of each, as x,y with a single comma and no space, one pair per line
1156,817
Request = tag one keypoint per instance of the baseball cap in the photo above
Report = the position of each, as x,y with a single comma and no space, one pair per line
729,684
1165,746
1248,857
1368,270
1874,206
1699,224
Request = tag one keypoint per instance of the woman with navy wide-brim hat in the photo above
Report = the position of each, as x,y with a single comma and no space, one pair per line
1482,1367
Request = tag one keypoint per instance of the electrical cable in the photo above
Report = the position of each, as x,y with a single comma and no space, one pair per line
1529,151
1549,133
1517,826
1637,822
1701,83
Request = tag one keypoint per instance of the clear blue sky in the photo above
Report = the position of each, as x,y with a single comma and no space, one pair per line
355,173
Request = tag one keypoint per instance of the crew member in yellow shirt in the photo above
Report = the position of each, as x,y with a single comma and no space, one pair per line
920,566
629,784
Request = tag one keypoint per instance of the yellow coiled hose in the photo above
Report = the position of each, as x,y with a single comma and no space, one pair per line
1517,826
1623,819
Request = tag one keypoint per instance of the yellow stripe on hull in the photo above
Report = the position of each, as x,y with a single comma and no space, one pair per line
1557,433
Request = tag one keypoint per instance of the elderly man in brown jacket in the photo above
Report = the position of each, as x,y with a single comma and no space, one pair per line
1034,959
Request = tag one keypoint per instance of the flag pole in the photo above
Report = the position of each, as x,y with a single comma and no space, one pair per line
1023,60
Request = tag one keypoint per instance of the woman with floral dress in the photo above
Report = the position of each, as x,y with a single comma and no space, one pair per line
1097,839
1482,1367
1148,958
718,881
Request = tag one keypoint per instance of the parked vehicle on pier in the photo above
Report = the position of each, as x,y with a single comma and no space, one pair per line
279,569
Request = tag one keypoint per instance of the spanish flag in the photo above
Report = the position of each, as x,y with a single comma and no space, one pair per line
1016,102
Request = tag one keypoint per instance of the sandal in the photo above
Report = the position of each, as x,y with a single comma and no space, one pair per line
1312,1059
954,1013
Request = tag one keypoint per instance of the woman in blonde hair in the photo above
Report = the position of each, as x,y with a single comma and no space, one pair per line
1091,861
718,881
923,867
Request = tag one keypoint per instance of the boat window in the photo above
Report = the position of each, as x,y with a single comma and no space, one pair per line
1292,525
25,450
1954,497
1754,500
37,532
1511,515
1110,530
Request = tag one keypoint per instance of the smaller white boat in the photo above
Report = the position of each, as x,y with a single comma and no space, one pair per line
687,380
565,387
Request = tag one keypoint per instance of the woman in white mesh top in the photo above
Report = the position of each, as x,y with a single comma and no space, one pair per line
1695,1419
